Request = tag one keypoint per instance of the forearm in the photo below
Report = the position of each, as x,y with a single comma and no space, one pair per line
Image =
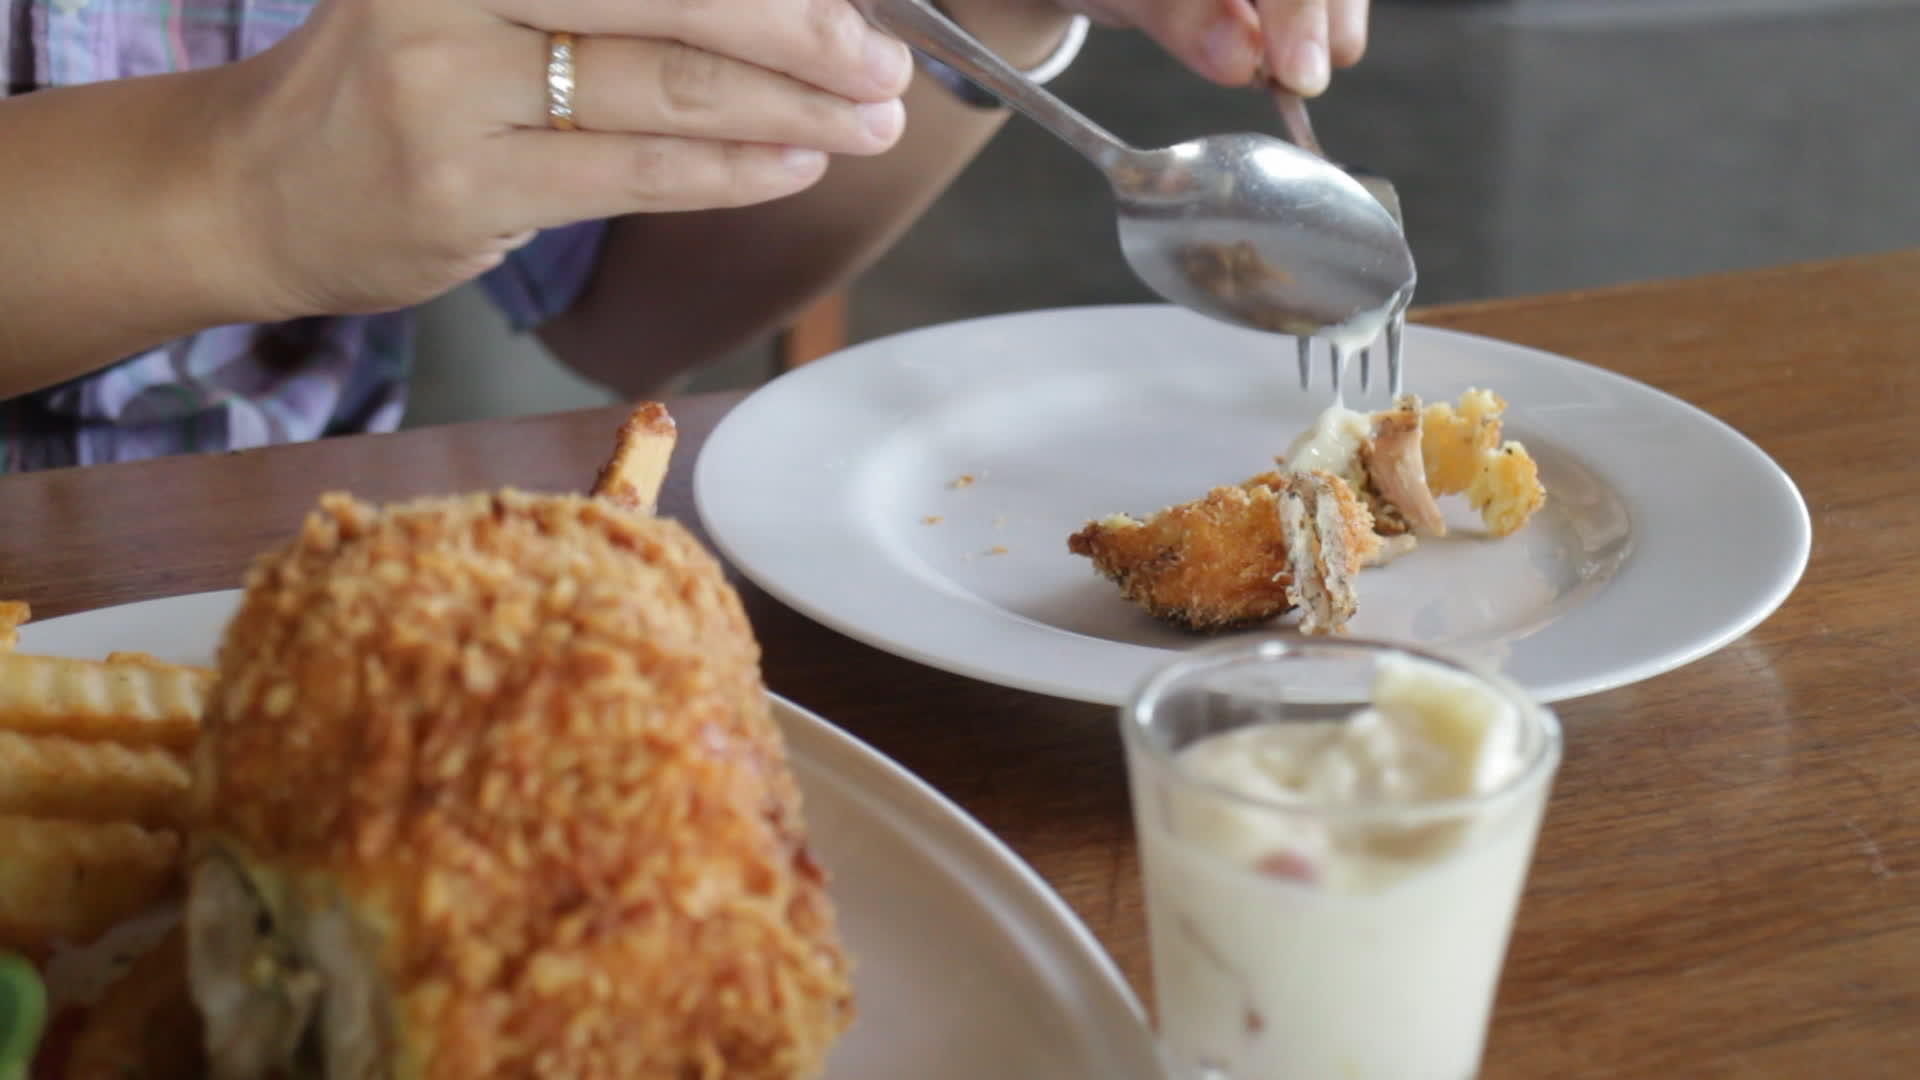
109,242
674,291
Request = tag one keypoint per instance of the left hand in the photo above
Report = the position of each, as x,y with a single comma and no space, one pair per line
1298,42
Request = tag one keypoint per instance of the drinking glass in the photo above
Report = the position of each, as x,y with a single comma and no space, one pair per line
1357,936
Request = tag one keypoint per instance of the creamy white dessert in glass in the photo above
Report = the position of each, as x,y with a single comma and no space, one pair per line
1334,835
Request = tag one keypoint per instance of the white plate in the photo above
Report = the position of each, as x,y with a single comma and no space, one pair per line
966,964
1666,533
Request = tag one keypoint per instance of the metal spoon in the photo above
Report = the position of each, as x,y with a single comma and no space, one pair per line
1247,228
1293,115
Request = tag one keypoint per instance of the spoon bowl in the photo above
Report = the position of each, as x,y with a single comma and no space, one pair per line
1252,230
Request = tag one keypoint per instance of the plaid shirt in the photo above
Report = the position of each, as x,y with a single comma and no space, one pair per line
230,387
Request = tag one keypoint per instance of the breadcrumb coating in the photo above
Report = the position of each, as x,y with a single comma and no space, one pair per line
641,452
525,739
1219,562
1507,489
1454,439
12,614
1464,453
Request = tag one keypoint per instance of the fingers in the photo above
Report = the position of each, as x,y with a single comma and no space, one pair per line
1347,31
668,88
825,43
1220,39
1230,41
1307,39
1296,44
553,178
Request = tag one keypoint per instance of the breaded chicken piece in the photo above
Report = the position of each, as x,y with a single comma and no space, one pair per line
1464,453
1393,459
1221,561
1507,489
1328,541
1454,439
1242,555
489,787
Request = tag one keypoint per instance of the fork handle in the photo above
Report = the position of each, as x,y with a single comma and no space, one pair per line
1293,115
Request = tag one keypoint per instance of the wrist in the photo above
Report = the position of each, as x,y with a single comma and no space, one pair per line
124,245
200,197
224,190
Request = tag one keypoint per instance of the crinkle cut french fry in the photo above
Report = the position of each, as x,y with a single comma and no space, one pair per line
74,880
146,1026
147,659
50,776
139,703
12,614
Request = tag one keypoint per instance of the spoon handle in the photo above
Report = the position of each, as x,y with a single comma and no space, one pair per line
924,29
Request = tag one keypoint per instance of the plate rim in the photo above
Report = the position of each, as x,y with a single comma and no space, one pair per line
1783,579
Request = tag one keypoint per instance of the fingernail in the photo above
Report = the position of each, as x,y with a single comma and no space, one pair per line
888,62
804,160
1306,70
883,119
1228,50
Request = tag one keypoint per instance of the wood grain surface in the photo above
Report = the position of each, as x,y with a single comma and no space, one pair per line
1728,884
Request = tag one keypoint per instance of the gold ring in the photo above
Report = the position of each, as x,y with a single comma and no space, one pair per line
560,81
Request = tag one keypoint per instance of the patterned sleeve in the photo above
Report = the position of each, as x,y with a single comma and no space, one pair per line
546,276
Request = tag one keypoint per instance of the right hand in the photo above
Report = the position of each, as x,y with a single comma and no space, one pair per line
389,150
1297,43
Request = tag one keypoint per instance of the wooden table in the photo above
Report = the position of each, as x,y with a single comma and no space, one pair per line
1729,881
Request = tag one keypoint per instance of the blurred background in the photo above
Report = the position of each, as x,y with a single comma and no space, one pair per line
1538,145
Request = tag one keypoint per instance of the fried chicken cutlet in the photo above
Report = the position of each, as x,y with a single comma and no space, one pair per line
1240,555
489,787
1364,484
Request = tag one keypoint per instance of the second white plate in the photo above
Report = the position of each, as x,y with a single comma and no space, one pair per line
916,493
966,965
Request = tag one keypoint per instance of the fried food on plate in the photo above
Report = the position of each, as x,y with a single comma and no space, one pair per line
92,786
141,703
73,880
1463,453
1506,489
12,614
633,475
145,1026
543,822
1224,560
1215,563
1455,438
1394,466
51,776
1243,555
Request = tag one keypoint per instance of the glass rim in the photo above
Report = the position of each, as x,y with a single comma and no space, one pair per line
1544,755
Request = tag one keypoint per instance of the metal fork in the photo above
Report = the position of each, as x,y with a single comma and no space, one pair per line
1293,114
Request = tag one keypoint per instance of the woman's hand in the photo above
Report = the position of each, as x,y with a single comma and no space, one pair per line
1298,42
391,149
